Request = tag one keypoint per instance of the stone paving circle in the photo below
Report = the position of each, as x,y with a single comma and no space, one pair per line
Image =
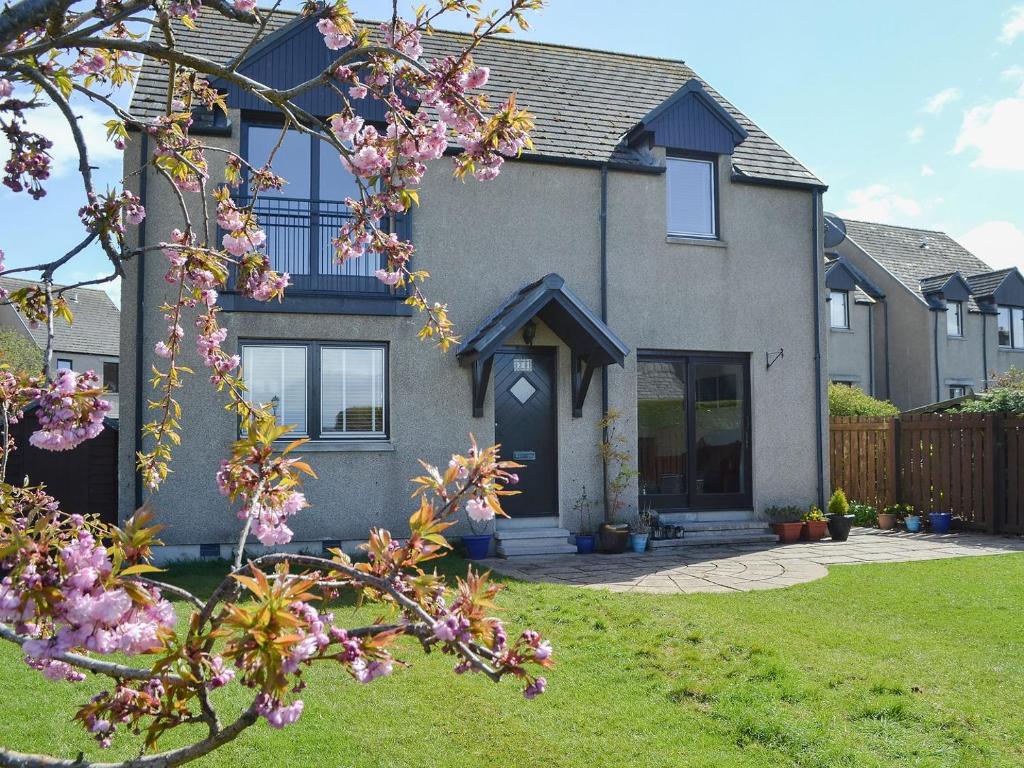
742,568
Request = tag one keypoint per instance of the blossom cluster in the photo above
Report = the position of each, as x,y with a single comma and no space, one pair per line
70,411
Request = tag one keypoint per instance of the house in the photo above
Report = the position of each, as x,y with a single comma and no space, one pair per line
90,343
655,253
914,317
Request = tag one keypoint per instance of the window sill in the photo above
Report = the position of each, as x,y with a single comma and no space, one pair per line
836,329
340,446
709,242
956,338
1011,349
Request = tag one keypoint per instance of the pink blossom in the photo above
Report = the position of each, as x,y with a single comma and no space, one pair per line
70,412
535,689
334,38
162,350
368,672
388,278
345,128
479,510
6,88
245,6
478,77
357,91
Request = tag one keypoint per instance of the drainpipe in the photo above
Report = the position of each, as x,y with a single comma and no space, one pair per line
140,304
938,389
819,399
888,367
984,351
603,219
871,349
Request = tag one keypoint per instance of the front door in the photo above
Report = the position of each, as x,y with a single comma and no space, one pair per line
693,414
524,426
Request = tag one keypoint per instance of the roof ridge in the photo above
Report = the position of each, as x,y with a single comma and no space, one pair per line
55,285
516,40
897,226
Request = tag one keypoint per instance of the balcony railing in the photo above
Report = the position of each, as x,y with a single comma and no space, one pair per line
299,235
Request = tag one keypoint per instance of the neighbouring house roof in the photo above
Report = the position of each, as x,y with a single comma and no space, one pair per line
1004,286
96,327
585,102
842,275
918,258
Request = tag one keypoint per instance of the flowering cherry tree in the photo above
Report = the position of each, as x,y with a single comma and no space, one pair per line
75,591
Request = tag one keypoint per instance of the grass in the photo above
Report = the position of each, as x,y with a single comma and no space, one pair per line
916,664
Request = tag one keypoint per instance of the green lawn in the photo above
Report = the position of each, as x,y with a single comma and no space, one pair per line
917,664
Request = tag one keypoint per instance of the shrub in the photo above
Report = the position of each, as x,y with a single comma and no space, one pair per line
789,513
900,510
853,401
838,505
19,353
813,515
864,515
1006,395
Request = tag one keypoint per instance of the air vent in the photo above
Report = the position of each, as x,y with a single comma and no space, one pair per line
209,550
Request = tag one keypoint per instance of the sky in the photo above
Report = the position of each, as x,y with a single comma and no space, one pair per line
912,112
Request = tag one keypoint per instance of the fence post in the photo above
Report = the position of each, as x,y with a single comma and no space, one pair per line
894,487
998,474
989,472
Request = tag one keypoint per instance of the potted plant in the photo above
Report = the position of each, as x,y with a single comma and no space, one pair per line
940,521
478,543
585,538
618,469
786,523
815,524
912,520
865,515
839,517
640,531
893,514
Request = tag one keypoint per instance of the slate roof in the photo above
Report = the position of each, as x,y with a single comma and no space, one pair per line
97,322
900,251
986,284
584,101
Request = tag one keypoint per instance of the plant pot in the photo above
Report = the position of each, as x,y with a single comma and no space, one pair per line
614,538
788,533
638,541
477,547
886,521
814,530
913,523
585,543
839,527
940,521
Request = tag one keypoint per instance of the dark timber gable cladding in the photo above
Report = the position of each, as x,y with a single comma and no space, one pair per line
584,102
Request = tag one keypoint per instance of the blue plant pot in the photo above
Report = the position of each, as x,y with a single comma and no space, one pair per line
477,547
940,521
585,543
913,523
638,541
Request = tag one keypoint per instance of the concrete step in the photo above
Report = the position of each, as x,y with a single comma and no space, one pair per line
523,548
515,523
726,525
513,534
717,538
725,515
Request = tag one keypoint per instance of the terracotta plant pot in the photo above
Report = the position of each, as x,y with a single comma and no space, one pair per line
886,521
814,530
788,533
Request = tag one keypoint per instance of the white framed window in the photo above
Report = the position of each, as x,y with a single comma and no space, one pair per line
955,318
690,197
957,390
839,308
352,391
276,375
1010,321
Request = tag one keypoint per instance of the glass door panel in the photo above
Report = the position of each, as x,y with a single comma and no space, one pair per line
661,416
719,433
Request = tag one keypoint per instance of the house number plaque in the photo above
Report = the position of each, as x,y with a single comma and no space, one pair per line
524,455
522,364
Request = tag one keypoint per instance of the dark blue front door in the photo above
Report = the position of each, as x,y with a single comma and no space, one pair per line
524,425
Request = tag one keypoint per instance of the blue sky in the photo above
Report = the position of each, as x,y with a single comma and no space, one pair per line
912,112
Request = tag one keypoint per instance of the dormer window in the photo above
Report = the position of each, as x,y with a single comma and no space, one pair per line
839,307
690,185
955,318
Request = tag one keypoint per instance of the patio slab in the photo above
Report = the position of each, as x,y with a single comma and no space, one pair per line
742,568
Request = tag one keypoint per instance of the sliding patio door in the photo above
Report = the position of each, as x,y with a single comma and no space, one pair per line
693,416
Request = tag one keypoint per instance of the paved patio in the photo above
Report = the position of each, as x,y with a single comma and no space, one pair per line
742,568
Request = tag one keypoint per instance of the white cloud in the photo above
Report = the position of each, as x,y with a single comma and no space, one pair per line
935,104
1015,73
915,134
927,170
879,203
998,243
994,132
50,122
1013,27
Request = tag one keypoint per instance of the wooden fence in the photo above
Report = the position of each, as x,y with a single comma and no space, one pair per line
969,464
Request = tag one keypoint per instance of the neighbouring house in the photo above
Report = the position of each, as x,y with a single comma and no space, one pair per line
655,253
90,343
914,316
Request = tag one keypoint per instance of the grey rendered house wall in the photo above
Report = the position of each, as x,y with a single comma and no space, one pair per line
849,349
753,295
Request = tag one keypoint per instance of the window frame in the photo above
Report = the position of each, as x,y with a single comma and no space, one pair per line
958,311
65,363
313,347
963,390
117,373
846,309
695,157
1012,312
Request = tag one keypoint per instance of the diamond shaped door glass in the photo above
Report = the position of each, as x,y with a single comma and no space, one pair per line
522,390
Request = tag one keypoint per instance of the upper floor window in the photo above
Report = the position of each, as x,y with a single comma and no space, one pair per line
64,364
839,307
690,184
322,390
1011,327
110,376
311,168
955,318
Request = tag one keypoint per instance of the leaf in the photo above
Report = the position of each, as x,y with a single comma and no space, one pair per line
141,568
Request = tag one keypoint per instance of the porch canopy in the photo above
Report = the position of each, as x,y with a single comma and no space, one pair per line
592,343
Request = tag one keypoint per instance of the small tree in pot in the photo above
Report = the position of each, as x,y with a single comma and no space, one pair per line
618,469
839,517
585,538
